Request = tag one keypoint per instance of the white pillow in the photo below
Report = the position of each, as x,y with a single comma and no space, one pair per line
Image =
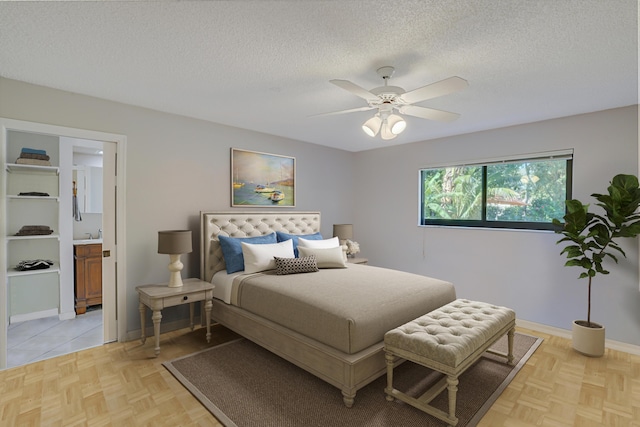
325,257
260,257
334,242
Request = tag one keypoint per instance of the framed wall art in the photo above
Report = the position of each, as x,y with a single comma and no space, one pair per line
262,179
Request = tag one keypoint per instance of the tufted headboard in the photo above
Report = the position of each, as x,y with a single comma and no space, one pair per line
246,224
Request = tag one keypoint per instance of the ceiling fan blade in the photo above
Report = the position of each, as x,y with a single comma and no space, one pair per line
353,110
354,89
443,87
428,113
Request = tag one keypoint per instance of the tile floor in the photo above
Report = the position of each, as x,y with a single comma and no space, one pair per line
40,339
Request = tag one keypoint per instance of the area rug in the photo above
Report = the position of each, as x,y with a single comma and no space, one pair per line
243,385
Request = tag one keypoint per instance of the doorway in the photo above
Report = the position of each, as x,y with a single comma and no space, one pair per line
112,313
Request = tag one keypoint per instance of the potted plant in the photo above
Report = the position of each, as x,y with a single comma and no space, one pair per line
592,238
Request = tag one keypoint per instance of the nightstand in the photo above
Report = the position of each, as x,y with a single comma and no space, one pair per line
358,260
160,296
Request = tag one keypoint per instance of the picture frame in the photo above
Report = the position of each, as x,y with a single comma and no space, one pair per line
262,179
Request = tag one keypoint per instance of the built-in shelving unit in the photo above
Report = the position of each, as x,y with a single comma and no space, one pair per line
22,210
32,168
33,197
55,268
47,236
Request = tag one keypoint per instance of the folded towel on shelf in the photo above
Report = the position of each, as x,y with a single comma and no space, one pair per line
33,151
34,230
34,193
34,156
34,264
36,227
35,162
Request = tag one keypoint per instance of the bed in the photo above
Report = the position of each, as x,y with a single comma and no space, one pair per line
331,322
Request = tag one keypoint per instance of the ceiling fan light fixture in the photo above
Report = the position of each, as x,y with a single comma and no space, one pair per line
387,99
385,131
396,124
372,126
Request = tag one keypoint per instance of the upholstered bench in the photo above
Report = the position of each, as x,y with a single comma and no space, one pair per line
448,340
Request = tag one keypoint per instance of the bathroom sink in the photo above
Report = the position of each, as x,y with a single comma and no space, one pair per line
87,241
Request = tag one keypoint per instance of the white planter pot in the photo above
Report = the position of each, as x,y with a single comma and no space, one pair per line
588,340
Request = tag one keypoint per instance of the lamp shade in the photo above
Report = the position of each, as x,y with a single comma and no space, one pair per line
174,242
372,126
396,124
343,231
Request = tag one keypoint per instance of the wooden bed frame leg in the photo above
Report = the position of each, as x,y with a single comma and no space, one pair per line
389,390
510,341
348,398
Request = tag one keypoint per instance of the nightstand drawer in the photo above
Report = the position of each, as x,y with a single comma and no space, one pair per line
184,299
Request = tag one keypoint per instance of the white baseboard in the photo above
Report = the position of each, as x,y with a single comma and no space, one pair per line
566,333
33,315
67,316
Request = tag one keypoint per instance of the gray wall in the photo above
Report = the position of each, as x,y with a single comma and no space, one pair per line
176,167
519,269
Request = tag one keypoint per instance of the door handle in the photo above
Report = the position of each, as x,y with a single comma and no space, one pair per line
106,254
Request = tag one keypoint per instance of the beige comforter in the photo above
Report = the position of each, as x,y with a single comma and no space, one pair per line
348,309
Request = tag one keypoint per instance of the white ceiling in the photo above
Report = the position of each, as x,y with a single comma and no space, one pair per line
266,65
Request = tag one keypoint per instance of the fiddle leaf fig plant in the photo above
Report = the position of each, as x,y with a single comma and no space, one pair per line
591,237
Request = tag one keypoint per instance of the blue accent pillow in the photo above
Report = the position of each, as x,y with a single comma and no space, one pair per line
232,249
286,236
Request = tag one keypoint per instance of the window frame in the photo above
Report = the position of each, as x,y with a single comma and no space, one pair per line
567,155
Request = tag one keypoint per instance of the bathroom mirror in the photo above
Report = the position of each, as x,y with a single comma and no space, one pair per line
87,174
89,188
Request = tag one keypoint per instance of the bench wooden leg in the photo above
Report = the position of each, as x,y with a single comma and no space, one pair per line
389,390
452,387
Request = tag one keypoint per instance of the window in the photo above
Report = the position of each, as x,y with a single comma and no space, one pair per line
510,193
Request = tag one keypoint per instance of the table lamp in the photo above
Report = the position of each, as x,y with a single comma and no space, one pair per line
174,243
343,232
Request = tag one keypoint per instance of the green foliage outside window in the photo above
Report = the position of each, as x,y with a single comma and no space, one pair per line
520,194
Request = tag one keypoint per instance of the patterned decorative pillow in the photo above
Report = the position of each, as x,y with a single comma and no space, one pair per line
296,265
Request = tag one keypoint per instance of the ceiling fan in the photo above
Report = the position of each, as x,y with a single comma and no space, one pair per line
388,99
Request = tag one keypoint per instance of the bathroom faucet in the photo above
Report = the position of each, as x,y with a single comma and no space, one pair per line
90,236
100,233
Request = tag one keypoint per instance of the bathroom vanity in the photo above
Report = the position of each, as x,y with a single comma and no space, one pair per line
88,274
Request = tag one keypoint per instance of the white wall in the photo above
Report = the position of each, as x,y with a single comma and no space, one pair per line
176,167
520,269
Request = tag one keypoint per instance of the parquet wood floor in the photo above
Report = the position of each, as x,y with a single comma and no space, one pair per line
122,384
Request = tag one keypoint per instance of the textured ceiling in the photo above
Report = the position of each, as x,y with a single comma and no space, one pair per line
266,65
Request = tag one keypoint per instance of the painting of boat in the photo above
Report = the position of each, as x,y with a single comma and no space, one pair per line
236,181
264,189
254,179
277,196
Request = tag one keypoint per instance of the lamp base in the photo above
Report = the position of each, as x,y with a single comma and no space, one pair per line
175,267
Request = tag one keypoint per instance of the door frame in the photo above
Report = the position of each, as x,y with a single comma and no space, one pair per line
120,232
